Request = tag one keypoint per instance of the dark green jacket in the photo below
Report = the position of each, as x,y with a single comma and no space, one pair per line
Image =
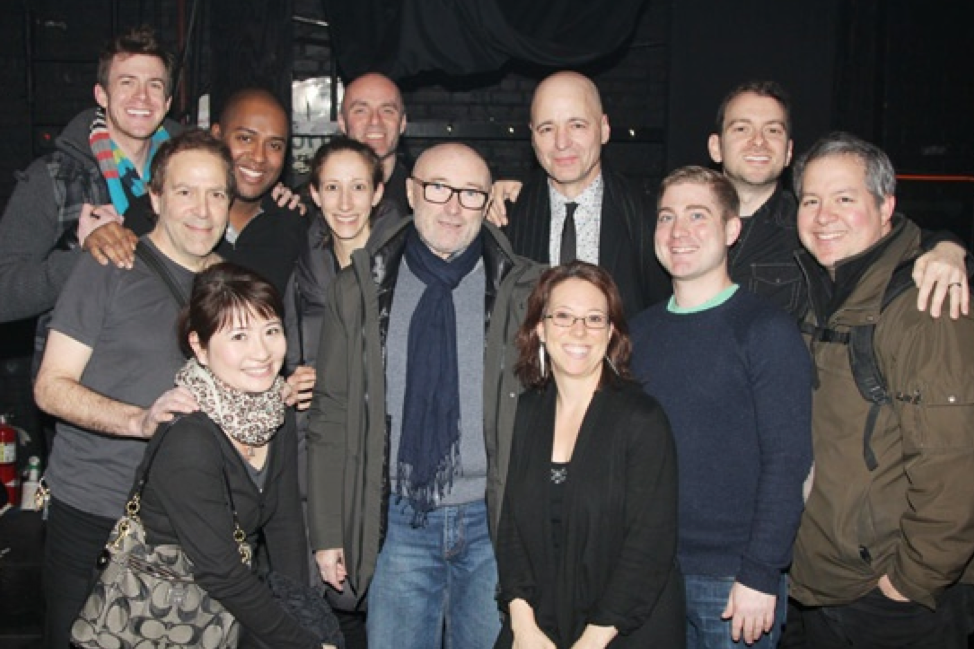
348,435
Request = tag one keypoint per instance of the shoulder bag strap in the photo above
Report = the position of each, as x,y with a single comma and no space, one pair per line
145,253
133,504
246,554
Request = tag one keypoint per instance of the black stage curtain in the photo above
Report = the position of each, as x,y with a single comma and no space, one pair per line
402,38
251,45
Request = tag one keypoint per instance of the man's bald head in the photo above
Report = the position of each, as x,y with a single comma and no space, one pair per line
446,179
251,99
373,113
437,159
566,82
568,129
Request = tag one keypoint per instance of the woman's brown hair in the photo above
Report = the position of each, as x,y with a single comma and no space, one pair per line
221,293
528,367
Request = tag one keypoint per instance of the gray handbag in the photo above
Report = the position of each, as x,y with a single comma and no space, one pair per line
147,593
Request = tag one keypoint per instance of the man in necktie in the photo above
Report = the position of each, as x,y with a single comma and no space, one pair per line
576,208
568,236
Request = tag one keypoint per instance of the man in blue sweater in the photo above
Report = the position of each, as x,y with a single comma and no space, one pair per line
733,375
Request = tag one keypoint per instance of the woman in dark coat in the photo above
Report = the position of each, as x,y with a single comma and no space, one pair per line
346,186
587,539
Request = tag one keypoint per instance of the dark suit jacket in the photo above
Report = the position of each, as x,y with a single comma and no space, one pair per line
617,565
625,241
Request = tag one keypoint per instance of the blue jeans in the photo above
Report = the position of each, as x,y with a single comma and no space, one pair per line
707,599
434,586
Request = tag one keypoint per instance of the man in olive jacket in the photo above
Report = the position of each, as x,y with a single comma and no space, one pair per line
412,417
884,550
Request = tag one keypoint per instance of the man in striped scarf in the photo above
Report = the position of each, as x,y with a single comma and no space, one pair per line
93,181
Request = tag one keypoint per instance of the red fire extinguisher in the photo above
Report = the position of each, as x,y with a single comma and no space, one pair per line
8,460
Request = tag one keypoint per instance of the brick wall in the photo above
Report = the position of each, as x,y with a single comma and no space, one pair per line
633,85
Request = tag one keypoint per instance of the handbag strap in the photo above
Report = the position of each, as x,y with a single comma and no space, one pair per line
134,502
246,554
151,259
132,506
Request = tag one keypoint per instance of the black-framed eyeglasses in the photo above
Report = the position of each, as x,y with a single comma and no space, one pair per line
436,192
565,319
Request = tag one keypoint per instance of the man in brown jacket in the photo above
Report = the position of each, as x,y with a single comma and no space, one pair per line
883,555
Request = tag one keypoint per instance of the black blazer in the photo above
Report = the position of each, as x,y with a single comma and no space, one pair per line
625,240
617,565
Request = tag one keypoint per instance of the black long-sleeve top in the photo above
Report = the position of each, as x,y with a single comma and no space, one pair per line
617,563
184,502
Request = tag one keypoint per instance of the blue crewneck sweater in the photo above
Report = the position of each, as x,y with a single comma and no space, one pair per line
735,381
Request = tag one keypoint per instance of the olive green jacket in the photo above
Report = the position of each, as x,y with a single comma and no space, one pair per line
912,517
348,435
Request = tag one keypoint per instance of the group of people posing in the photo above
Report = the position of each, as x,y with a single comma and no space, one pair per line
492,414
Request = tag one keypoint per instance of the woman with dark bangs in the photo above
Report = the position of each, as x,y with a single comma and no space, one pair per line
242,443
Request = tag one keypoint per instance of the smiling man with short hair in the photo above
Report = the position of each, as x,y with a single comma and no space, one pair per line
111,353
734,378
262,234
885,552
79,195
752,141
373,113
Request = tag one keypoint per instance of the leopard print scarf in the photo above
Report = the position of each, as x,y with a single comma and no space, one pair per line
249,418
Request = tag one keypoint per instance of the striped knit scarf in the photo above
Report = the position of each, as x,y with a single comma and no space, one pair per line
117,169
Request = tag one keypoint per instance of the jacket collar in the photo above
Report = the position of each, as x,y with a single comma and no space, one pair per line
780,208
73,140
855,296
499,257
